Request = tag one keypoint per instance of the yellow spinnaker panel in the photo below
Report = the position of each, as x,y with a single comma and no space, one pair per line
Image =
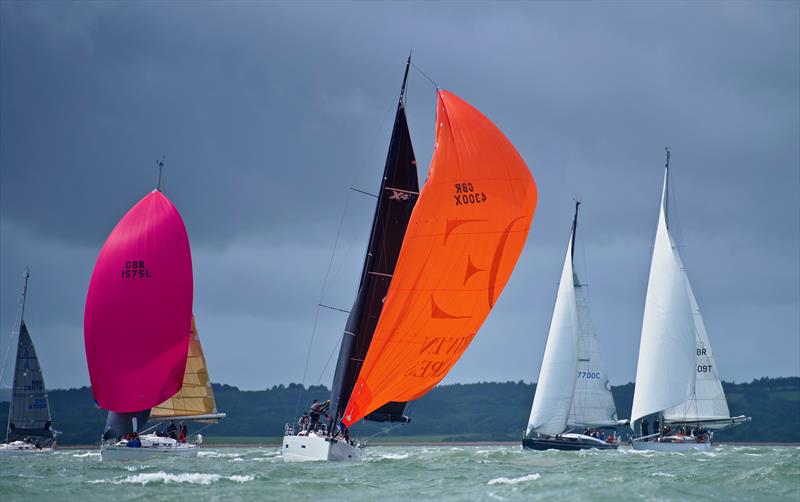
195,396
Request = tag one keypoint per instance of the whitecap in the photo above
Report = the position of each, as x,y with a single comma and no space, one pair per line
393,456
134,468
216,454
513,481
86,454
662,475
194,478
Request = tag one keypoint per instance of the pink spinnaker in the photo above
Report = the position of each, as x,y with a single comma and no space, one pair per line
138,314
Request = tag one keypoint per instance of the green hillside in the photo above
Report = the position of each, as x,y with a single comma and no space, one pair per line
480,411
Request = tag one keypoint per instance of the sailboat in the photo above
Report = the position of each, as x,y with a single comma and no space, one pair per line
142,348
436,264
573,391
676,376
30,427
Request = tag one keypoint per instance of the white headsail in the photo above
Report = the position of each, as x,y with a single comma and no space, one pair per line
592,402
554,390
665,373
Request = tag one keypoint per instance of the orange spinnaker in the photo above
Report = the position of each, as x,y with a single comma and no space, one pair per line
465,235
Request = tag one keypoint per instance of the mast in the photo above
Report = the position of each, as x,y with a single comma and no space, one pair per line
19,333
160,164
24,295
665,193
405,80
574,228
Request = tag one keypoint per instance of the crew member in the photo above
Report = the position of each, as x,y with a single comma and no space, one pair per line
645,427
318,409
302,424
172,430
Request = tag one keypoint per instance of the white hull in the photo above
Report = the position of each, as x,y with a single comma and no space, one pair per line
152,447
670,446
313,448
21,449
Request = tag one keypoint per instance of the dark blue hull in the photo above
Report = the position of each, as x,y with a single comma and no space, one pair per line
542,444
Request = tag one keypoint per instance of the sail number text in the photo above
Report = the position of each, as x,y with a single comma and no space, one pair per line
704,368
466,194
135,269
592,375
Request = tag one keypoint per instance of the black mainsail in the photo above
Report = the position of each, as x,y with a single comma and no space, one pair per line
29,416
398,193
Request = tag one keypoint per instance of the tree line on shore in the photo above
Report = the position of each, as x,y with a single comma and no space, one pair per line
486,411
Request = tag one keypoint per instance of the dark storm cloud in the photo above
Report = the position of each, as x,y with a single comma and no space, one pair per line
268,112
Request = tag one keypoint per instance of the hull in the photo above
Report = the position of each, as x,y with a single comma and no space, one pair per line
670,446
566,442
21,449
315,448
152,446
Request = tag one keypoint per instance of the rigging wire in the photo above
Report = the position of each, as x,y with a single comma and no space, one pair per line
316,315
337,344
14,331
426,76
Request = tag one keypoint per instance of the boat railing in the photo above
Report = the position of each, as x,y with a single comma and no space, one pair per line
293,430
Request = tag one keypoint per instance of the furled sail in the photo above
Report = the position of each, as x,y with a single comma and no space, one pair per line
29,416
464,237
396,198
665,373
707,400
556,385
195,400
139,309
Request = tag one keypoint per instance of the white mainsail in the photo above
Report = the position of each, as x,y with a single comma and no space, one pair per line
553,398
592,402
666,370
707,400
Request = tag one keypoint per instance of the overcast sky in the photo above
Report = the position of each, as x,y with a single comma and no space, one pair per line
268,112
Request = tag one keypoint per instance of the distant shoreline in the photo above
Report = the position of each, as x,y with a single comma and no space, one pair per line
209,446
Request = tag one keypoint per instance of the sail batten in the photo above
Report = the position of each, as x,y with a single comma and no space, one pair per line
195,400
463,240
29,413
397,196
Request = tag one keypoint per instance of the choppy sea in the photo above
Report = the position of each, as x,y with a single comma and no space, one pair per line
415,473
